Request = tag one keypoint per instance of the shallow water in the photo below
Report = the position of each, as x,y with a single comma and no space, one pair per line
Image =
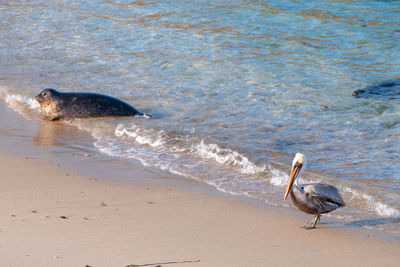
235,88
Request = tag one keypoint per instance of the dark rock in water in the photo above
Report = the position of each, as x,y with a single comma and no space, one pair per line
388,90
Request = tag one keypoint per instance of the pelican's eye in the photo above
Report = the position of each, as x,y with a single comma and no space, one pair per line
299,165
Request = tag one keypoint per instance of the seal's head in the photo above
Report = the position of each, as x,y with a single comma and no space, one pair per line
46,95
49,103
356,93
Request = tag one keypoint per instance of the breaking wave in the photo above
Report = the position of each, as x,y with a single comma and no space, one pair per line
19,102
226,156
184,143
376,206
279,178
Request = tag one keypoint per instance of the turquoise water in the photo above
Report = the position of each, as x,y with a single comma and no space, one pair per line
235,88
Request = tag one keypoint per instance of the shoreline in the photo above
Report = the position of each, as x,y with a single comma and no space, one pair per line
150,216
52,215
68,142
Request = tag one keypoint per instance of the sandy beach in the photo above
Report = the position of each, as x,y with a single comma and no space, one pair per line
53,216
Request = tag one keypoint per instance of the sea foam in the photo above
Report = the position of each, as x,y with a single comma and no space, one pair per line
378,207
17,102
279,178
226,156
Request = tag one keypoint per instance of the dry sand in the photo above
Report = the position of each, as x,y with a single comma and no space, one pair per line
51,216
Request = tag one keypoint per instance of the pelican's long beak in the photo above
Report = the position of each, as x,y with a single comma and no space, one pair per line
293,175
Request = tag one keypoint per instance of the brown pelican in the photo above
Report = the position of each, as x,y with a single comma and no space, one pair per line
312,198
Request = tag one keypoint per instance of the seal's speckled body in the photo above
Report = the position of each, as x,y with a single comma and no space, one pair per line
57,105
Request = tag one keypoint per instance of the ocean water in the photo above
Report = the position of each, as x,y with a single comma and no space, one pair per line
235,89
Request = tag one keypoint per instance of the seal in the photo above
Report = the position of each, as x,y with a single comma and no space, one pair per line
387,90
57,105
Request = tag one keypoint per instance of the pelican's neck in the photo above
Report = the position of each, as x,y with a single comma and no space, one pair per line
296,183
299,159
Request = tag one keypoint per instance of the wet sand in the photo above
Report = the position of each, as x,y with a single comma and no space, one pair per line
54,216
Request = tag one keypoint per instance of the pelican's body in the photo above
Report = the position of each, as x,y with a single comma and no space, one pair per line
313,198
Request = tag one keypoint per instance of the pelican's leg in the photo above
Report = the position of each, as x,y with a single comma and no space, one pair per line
316,220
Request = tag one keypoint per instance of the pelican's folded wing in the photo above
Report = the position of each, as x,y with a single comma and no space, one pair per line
327,192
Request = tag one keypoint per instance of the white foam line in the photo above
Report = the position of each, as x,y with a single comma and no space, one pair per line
15,101
226,156
140,136
279,178
380,208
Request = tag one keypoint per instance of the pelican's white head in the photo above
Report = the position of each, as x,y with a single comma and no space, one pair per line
299,158
298,166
